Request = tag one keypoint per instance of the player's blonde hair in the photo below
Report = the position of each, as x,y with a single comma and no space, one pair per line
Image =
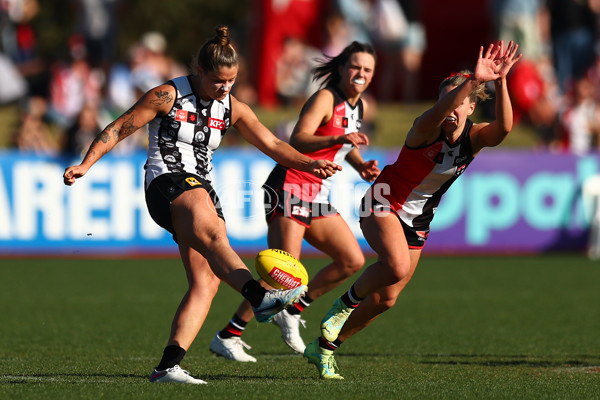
480,93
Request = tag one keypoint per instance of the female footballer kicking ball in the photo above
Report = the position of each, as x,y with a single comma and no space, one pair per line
187,117
397,210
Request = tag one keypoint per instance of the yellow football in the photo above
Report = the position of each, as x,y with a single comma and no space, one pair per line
280,269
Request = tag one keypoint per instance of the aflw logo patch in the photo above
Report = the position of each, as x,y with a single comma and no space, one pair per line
340,122
216,123
186,116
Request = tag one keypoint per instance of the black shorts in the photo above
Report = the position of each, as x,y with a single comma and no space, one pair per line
282,202
166,188
415,237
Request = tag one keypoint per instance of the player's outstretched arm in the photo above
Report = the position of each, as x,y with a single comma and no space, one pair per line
251,129
156,101
494,133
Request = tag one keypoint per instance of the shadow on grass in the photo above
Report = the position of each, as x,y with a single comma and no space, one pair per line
37,379
582,361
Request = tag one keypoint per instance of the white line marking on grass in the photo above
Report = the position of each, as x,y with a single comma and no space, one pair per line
58,379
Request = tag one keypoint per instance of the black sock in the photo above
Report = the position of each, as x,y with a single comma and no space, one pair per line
235,327
327,345
351,299
253,292
298,307
172,355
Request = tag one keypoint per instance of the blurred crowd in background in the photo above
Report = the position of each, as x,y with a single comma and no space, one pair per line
63,104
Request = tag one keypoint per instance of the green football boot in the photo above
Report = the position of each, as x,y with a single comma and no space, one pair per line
323,359
335,319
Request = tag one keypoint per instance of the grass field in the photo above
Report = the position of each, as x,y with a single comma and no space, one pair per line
465,328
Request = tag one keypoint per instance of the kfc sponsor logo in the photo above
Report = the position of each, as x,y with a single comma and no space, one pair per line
216,123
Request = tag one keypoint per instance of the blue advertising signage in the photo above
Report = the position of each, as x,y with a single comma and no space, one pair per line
507,201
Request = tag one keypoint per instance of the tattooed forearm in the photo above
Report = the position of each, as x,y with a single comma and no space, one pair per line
126,129
103,137
162,97
110,136
94,152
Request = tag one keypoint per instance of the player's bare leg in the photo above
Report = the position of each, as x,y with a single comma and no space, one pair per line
202,288
333,237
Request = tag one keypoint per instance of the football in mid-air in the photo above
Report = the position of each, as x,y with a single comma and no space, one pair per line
280,269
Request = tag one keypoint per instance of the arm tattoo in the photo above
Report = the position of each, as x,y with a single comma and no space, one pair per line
103,137
126,129
162,97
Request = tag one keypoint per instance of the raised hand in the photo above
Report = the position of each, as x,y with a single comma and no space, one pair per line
486,67
506,58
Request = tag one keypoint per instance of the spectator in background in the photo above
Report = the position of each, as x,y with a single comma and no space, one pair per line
97,24
147,66
523,21
293,77
337,34
536,99
80,135
19,43
533,86
573,33
358,15
580,122
414,44
120,91
73,84
12,85
151,66
400,40
34,134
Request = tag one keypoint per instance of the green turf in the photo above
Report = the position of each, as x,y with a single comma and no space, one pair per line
465,328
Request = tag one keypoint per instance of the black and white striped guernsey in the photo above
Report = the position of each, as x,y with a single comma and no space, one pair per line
184,140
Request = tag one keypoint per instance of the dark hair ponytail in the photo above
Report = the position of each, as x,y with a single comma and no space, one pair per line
217,52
